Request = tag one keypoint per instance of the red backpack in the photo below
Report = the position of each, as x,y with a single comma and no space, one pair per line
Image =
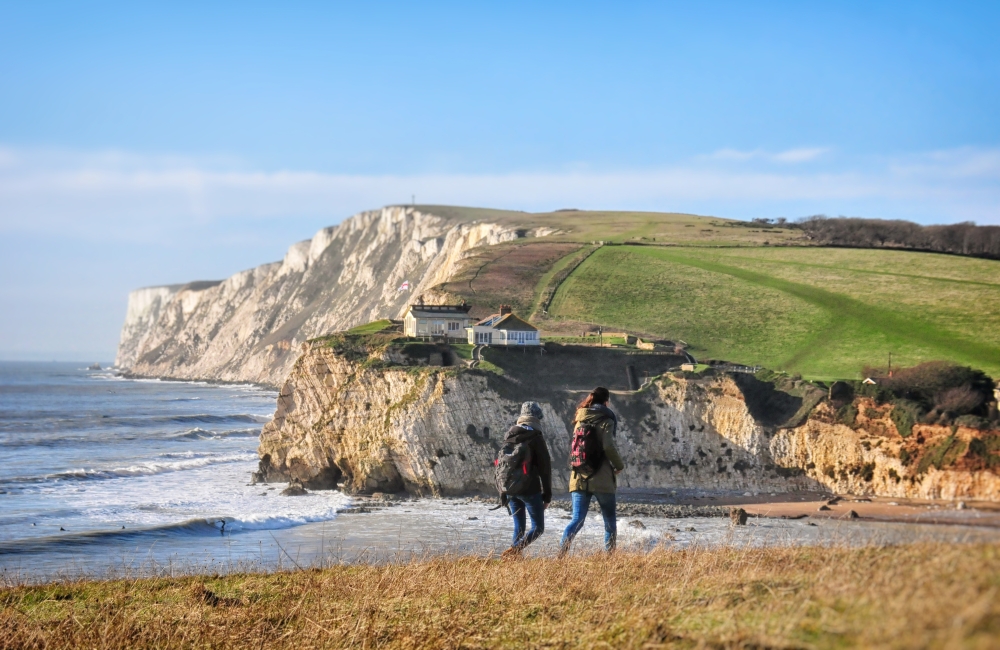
587,450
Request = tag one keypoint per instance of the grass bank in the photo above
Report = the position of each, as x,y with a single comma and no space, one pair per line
822,312
904,596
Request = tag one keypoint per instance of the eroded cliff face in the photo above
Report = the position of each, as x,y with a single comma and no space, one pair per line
369,427
249,326
437,430
870,457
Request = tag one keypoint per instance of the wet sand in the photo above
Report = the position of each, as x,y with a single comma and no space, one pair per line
820,506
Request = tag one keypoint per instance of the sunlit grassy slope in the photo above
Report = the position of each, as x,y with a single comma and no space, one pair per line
523,273
822,312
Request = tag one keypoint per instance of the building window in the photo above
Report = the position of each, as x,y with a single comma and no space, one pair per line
454,326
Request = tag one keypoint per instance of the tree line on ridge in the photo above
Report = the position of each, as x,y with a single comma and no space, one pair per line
964,238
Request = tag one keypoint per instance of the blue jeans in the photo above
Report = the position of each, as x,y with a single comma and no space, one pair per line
536,510
581,504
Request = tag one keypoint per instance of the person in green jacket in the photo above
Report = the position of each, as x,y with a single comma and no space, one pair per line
603,483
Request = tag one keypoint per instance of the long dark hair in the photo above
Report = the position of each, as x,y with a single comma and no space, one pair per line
599,395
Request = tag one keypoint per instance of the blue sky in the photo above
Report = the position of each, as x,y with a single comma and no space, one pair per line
152,143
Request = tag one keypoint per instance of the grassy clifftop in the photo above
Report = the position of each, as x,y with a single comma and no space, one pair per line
621,226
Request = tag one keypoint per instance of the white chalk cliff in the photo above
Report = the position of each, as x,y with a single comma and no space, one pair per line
249,326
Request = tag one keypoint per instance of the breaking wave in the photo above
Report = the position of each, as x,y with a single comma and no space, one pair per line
201,434
145,468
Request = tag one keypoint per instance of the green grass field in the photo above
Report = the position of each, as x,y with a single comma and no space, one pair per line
821,312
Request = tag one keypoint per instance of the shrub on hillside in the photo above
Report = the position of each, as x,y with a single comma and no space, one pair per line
985,451
960,401
943,390
941,454
936,392
906,413
847,414
973,422
926,381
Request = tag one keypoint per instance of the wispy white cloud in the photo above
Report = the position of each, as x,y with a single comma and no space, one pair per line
965,163
731,155
789,156
124,196
799,155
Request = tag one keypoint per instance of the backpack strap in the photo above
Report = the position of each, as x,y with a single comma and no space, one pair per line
605,411
517,428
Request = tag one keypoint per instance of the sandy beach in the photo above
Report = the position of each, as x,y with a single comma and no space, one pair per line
820,506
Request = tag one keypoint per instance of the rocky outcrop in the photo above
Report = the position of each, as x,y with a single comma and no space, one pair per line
369,424
436,430
249,326
428,430
870,457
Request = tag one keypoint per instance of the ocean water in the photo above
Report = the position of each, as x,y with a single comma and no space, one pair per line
93,462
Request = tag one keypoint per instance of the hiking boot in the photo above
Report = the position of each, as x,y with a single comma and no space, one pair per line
563,551
512,553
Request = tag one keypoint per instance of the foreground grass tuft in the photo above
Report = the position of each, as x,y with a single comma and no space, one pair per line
905,596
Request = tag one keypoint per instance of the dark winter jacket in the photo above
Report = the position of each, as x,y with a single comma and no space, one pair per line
604,480
528,429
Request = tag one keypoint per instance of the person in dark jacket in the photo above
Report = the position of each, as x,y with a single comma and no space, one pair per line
603,484
534,499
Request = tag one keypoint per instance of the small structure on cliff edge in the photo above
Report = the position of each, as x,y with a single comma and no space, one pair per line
504,328
437,320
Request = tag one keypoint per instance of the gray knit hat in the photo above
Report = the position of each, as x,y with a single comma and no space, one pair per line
531,409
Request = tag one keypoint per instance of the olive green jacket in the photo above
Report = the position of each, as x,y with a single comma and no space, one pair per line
604,480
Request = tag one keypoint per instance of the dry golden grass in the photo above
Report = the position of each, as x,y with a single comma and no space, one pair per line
903,596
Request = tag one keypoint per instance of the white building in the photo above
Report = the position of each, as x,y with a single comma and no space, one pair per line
437,320
503,329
